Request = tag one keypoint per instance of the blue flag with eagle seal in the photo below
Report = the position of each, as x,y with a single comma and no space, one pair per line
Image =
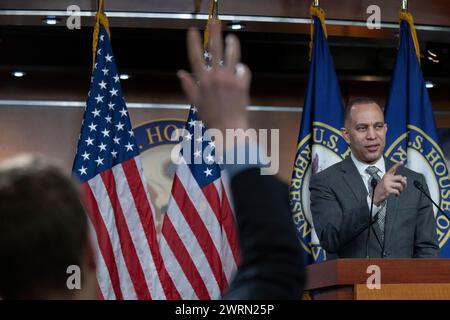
320,143
412,136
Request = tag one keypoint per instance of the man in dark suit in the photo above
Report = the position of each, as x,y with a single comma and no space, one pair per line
272,265
402,225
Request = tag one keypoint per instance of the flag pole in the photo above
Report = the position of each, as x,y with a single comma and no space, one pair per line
404,5
315,10
213,14
407,16
101,7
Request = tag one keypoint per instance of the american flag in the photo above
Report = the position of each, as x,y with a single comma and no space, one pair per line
198,241
107,163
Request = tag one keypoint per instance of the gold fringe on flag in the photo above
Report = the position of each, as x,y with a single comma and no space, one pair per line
318,12
405,15
100,18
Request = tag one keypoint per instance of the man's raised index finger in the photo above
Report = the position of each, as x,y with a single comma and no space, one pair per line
395,167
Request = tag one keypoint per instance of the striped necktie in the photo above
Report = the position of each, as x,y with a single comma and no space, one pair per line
373,172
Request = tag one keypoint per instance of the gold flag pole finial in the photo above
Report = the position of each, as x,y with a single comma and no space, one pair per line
316,11
405,5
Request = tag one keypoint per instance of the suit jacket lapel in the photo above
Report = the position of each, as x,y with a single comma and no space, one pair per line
353,179
391,212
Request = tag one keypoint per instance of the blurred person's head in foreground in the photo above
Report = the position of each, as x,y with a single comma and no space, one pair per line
43,231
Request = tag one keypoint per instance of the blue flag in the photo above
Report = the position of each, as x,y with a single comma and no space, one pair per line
320,143
412,136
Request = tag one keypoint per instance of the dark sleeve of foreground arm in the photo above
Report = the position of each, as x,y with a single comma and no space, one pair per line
272,264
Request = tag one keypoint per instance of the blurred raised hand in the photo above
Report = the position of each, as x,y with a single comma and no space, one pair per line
220,91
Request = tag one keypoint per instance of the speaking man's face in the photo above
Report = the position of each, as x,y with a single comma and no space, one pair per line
365,131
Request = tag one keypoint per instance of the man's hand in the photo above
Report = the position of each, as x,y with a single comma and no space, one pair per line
222,92
390,184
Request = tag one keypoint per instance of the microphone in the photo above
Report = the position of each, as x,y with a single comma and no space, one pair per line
420,187
373,184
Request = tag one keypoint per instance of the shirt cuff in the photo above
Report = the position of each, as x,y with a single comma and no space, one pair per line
375,208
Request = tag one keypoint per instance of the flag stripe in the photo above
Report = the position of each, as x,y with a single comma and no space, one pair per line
135,226
199,229
139,194
219,186
229,224
212,196
190,242
175,272
202,204
143,186
103,280
229,262
103,240
107,214
224,215
104,284
230,246
176,245
126,243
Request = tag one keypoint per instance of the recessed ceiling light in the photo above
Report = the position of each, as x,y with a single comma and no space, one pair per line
434,55
124,76
18,74
433,60
429,84
51,20
236,25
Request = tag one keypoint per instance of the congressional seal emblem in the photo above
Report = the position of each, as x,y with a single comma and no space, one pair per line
424,155
155,146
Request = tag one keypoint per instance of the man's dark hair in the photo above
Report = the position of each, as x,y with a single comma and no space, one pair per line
43,228
356,101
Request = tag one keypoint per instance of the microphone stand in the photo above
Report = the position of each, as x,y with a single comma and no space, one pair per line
373,184
420,187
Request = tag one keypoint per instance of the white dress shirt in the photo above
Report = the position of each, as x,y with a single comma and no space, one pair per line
361,166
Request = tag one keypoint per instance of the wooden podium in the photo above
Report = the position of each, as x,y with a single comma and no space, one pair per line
401,279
